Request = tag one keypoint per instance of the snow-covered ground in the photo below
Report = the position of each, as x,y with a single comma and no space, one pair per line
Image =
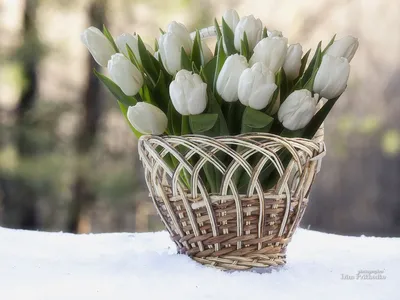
39,265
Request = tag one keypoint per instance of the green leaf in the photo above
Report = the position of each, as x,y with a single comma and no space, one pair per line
275,101
264,33
195,69
133,58
161,93
283,85
174,120
221,57
185,61
304,62
155,62
221,127
310,83
319,118
161,30
229,38
115,90
156,45
217,29
146,95
124,110
147,62
202,123
244,47
310,69
209,71
255,121
197,52
329,44
110,38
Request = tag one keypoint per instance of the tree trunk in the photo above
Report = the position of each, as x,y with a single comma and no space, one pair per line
83,195
20,198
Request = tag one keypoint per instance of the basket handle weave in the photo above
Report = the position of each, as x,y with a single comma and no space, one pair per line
205,33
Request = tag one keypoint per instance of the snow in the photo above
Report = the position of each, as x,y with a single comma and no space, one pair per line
39,265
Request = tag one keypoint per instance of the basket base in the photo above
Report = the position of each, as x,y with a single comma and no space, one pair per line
259,263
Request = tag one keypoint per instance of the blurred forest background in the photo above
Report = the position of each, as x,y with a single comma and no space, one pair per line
68,160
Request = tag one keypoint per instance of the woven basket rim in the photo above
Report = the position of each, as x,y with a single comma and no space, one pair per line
219,137
317,141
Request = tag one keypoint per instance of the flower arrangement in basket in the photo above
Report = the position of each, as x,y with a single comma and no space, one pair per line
230,141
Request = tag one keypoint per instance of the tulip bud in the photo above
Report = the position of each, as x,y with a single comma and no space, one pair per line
125,74
183,35
228,78
188,93
170,45
98,45
132,41
256,86
345,47
292,62
147,118
332,76
207,54
231,18
297,110
271,51
274,33
253,28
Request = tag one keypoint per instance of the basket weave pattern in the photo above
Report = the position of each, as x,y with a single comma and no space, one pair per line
229,230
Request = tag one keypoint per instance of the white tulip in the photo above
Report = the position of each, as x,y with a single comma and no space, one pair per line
183,35
345,47
132,41
253,28
170,45
147,118
256,86
274,33
271,51
188,93
207,54
228,78
332,76
292,62
170,52
231,18
98,45
125,74
297,110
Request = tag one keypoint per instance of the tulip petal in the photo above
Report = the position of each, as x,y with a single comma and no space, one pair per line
297,110
198,99
332,76
177,97
98,45
262,96
147,118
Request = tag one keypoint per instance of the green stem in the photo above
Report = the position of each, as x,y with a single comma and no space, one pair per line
185,129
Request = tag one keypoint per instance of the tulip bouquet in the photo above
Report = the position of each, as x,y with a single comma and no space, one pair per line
253,81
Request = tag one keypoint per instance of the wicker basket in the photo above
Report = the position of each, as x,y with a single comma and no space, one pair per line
229,230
